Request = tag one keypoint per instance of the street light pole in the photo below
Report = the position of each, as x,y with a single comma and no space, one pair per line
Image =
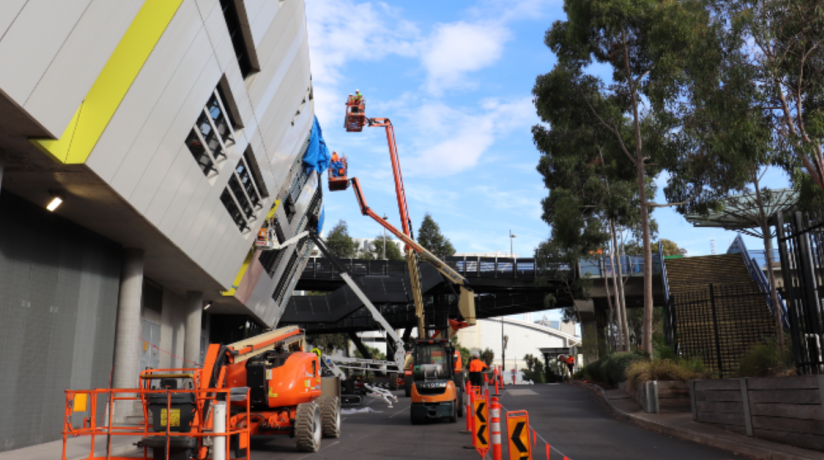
384,239
510,243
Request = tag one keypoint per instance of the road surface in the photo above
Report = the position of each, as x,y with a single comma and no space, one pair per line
572,419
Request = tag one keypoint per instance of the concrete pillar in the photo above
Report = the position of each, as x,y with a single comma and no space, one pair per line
194,314
126,346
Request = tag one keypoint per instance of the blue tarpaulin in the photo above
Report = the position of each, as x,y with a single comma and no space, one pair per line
317,156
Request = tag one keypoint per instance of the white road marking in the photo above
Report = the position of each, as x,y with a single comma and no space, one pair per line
398,412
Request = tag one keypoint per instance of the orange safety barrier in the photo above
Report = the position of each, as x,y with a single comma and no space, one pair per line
88,402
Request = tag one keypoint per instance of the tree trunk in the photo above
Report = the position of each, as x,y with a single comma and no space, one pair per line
622,301
764,222
777,310
611,311
642,195
619,326
646,330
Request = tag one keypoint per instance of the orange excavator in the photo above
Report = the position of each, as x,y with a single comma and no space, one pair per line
355,121
264,385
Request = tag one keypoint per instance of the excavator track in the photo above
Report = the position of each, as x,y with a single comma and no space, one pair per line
308,427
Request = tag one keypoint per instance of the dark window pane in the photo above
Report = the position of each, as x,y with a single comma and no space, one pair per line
198,152
234,185
233,24
231,207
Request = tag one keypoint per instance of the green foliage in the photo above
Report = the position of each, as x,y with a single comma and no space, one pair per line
328,343
340,244
767,360
392,251
671,248
534,371
376,354
430,237
611,369
487,356
778,46
645,370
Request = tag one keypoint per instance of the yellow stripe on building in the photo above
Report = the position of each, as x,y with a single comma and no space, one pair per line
246,262
111,86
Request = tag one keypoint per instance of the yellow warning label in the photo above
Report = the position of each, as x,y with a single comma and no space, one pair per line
145,346
175,417
307,383
80,402
268,374
272,393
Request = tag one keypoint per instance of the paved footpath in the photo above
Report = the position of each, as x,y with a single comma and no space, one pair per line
576,423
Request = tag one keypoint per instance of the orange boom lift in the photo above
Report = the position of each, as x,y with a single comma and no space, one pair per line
264,385
355,121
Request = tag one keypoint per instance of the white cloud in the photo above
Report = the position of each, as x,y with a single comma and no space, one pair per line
341,31
461,137
456,49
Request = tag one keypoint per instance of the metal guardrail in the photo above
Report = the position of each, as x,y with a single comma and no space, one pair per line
470,267
754,268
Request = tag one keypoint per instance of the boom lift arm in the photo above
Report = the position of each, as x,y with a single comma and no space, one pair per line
466,301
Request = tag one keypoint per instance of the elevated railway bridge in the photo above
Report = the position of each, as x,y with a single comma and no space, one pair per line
504,286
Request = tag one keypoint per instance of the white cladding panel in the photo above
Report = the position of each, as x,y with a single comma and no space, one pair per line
9,9
32,42
74,69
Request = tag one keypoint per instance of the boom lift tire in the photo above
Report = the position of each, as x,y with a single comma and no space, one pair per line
393,381
308,429
460,403
407,386
330,417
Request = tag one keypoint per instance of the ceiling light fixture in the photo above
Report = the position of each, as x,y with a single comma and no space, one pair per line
55,202
207,306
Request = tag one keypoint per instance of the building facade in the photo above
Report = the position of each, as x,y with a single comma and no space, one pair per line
168,132
523,338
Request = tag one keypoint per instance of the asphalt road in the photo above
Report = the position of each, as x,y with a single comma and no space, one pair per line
572,419
576,423
386,434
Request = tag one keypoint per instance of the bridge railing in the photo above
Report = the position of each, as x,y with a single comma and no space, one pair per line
470,267
599,266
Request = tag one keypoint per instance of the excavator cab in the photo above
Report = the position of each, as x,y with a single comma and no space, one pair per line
338,170
355,116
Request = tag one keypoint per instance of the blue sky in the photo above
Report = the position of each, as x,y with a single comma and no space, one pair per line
455,78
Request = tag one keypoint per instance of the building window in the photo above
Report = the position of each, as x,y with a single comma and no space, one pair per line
233,208
211,136
230,14
245,192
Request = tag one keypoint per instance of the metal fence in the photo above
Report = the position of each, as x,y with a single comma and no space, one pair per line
719,324
801,249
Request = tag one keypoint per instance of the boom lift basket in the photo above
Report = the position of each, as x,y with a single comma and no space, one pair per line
338,173
355,116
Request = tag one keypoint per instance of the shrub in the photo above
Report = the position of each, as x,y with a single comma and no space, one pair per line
616,365
643,371
766,360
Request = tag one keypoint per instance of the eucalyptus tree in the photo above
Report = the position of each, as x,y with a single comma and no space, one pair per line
649,45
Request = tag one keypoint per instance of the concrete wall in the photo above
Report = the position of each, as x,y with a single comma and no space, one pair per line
59,285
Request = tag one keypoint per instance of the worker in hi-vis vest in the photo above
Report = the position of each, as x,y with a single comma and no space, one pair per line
476,366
